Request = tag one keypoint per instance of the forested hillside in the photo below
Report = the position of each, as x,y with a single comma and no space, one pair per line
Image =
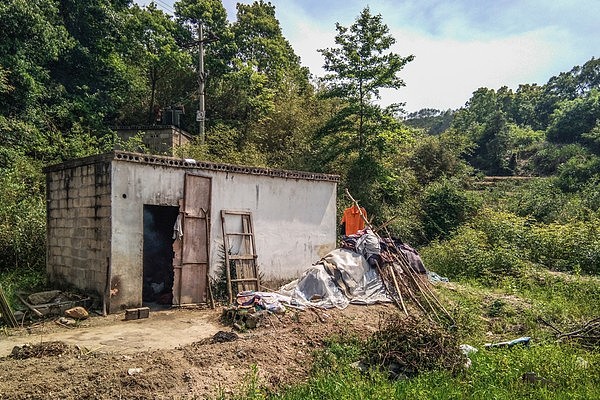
71,71
501,196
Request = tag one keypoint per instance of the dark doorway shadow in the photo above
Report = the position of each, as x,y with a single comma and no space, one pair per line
157,289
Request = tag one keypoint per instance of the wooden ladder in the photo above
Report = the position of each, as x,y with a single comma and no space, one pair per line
244,257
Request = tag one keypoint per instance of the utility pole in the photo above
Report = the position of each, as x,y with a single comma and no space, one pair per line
201,114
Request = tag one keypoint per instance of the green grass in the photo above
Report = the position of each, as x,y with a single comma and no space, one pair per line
568,373
16,280
510,309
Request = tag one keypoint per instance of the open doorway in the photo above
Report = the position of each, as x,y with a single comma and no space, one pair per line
157,289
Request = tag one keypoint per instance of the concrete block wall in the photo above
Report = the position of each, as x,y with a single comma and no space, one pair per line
79,224
158,139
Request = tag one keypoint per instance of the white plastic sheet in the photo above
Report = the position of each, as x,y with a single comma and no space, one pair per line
350,280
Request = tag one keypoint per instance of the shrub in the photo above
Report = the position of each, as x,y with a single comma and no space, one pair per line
575,173
492,245
445,206
541,199
573,246
22,215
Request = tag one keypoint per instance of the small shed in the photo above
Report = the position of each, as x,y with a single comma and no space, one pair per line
159,139
125,225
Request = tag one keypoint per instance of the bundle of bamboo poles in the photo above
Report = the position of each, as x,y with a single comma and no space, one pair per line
401,281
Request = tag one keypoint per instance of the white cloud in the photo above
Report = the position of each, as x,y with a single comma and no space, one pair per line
445,72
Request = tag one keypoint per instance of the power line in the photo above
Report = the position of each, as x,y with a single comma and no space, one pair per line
166,6
162,5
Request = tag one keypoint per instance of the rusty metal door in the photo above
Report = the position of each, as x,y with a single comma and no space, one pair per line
192,252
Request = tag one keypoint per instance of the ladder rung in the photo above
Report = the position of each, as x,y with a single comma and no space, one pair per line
236,212
243,257
245,280
240,233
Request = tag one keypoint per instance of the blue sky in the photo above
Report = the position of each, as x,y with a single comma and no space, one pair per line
459,45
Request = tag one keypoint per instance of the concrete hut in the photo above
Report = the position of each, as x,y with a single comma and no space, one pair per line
125,224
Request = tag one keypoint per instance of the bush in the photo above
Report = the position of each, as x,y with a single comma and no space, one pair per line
575,173
445,206
549,157
492,245
22,215
540,199
497,244
573,246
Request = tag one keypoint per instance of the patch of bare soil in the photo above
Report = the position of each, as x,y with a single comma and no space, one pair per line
282,351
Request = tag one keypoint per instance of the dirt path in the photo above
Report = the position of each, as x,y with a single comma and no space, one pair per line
162,330
169,356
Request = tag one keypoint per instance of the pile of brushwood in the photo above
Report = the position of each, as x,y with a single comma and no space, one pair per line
406,346
587,336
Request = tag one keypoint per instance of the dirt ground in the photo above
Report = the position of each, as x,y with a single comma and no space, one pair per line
170,355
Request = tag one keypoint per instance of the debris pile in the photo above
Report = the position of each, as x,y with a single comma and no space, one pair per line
56,302
401,270
253,308
365,270
406,346
587,335
44,349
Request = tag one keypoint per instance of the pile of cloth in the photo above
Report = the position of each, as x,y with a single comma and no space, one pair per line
338,279
348,275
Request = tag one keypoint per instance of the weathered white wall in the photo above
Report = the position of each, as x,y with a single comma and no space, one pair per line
294,219
135,185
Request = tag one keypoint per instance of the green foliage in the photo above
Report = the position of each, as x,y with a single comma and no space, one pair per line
432,121
156,57
22,215
487,248
497,244
28,279
548,157
434,157
577,171
445,206
540,199
359,67
572,118
573,246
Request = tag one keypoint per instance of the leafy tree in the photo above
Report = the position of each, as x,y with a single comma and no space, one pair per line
213,16
358,68
445,206
260,43
32,39
94,73
157,55
244,96
573,118
435,157
219,51
431,120
523,109
486,124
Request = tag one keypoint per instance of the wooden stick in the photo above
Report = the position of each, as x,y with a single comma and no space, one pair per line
36,312
550,325
385,224
393,273
6,311
387,289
